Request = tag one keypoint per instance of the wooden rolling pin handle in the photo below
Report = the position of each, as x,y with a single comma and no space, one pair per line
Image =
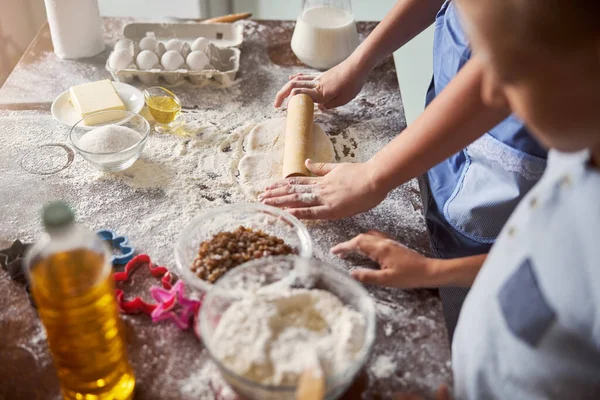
228,18
298,135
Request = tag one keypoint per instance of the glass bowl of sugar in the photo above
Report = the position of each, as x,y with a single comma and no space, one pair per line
269,320
114,144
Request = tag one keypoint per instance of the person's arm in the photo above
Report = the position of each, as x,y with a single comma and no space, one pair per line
404,268
405,20
459,272
343,82
455,118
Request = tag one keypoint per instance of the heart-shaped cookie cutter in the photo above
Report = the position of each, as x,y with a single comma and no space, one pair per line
120,243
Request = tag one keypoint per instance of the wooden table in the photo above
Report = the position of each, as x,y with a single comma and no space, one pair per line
411,351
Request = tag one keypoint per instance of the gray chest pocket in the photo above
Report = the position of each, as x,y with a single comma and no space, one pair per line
494,180
524,307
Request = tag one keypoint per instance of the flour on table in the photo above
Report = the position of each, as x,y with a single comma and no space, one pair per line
177,178
262,163
272,336
383,367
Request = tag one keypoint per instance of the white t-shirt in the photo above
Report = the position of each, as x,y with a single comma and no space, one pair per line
530,326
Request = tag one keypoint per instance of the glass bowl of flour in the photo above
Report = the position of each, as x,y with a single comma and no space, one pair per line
268,320
113,145
228,218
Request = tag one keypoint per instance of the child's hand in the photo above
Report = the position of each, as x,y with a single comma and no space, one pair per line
340,191
400,266
331,89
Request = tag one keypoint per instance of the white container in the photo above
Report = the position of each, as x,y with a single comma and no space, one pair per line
76,28
325,33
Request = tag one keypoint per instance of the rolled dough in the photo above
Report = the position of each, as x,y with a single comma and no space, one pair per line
262,163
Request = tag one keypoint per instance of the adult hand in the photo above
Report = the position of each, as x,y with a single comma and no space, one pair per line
400,266
339,191
331,89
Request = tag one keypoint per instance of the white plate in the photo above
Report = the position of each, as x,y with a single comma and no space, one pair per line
63,111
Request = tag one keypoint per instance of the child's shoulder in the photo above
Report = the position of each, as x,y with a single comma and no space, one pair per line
565,207
566,249
572,192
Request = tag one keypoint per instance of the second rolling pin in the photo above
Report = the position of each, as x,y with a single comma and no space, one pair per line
227,18
298,135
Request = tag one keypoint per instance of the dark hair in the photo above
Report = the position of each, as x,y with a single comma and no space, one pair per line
557,24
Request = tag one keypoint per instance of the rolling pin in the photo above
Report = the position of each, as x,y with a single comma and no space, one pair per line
228,18
298,135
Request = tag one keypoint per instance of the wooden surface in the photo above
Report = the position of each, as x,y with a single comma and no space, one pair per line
169,363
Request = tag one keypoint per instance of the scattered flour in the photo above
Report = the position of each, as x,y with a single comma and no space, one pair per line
388,329
204,383
383,367
176,178
271,337
109,139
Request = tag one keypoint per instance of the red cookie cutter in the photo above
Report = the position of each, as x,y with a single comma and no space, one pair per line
137,305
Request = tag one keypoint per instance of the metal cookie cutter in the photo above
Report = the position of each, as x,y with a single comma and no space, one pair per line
119,243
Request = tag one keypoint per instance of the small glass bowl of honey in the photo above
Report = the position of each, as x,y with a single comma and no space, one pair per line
165,107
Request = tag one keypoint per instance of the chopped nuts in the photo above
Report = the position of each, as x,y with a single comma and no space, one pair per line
227,250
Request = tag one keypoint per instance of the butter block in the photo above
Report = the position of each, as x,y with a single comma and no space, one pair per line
93,97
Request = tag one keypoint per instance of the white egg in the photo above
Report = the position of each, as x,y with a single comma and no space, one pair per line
123,44
177,45
197,60
120,59
147,60
200,44
174,44
129,46
171,60
148,43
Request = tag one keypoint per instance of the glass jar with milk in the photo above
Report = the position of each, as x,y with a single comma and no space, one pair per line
325,33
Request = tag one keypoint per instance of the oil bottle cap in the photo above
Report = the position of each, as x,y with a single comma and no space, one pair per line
57,214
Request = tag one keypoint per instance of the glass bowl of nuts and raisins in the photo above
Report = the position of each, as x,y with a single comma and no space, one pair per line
228,236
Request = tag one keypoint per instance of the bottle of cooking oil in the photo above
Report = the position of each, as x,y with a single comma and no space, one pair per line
72,285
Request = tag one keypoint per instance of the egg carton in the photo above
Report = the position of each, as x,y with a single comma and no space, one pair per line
222,69
223,53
